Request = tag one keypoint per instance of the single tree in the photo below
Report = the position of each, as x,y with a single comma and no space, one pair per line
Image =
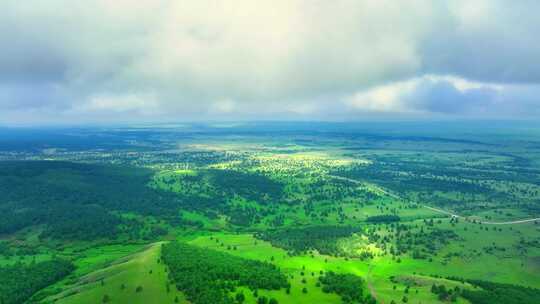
262,300
240,298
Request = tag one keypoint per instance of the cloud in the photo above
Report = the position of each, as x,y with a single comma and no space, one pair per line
448,95
278,59
32,96
223,106
445,97
486,40
120,103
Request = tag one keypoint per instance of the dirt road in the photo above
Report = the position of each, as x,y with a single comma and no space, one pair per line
371,288
514,222
483,222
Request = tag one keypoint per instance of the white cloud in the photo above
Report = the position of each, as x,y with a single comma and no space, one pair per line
429,93
223,106
258,58
384,98
462,84
120,103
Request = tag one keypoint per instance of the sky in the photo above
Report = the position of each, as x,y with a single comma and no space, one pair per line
70,62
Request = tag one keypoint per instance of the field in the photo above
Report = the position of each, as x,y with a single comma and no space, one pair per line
120,280
409,217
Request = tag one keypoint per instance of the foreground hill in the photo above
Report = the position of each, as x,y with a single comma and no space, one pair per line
137,278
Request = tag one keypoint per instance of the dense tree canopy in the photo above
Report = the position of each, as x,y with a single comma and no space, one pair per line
376,219
348,286
19,282
75,200
497,293
207,276
321,238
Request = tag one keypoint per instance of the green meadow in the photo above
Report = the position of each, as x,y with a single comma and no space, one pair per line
328,218
119,282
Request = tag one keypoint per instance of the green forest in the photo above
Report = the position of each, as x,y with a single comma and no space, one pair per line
272,218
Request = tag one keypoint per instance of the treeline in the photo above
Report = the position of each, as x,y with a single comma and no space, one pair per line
378,219
498,293
446,294
211,192
209,277
429,178
321,238
398,239
251,186
80,201
348,286
19,282
75,200
86,222
389,175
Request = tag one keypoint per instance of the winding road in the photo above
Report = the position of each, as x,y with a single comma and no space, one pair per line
522,221
483,222
372,290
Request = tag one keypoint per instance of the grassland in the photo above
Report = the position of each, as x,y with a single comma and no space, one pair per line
223,193
119,282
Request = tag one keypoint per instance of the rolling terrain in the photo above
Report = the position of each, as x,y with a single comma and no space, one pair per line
323,217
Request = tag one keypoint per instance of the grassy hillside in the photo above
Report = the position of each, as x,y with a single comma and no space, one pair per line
398,217
119,282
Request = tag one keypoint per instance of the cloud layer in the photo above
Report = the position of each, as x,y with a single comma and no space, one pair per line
193,60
